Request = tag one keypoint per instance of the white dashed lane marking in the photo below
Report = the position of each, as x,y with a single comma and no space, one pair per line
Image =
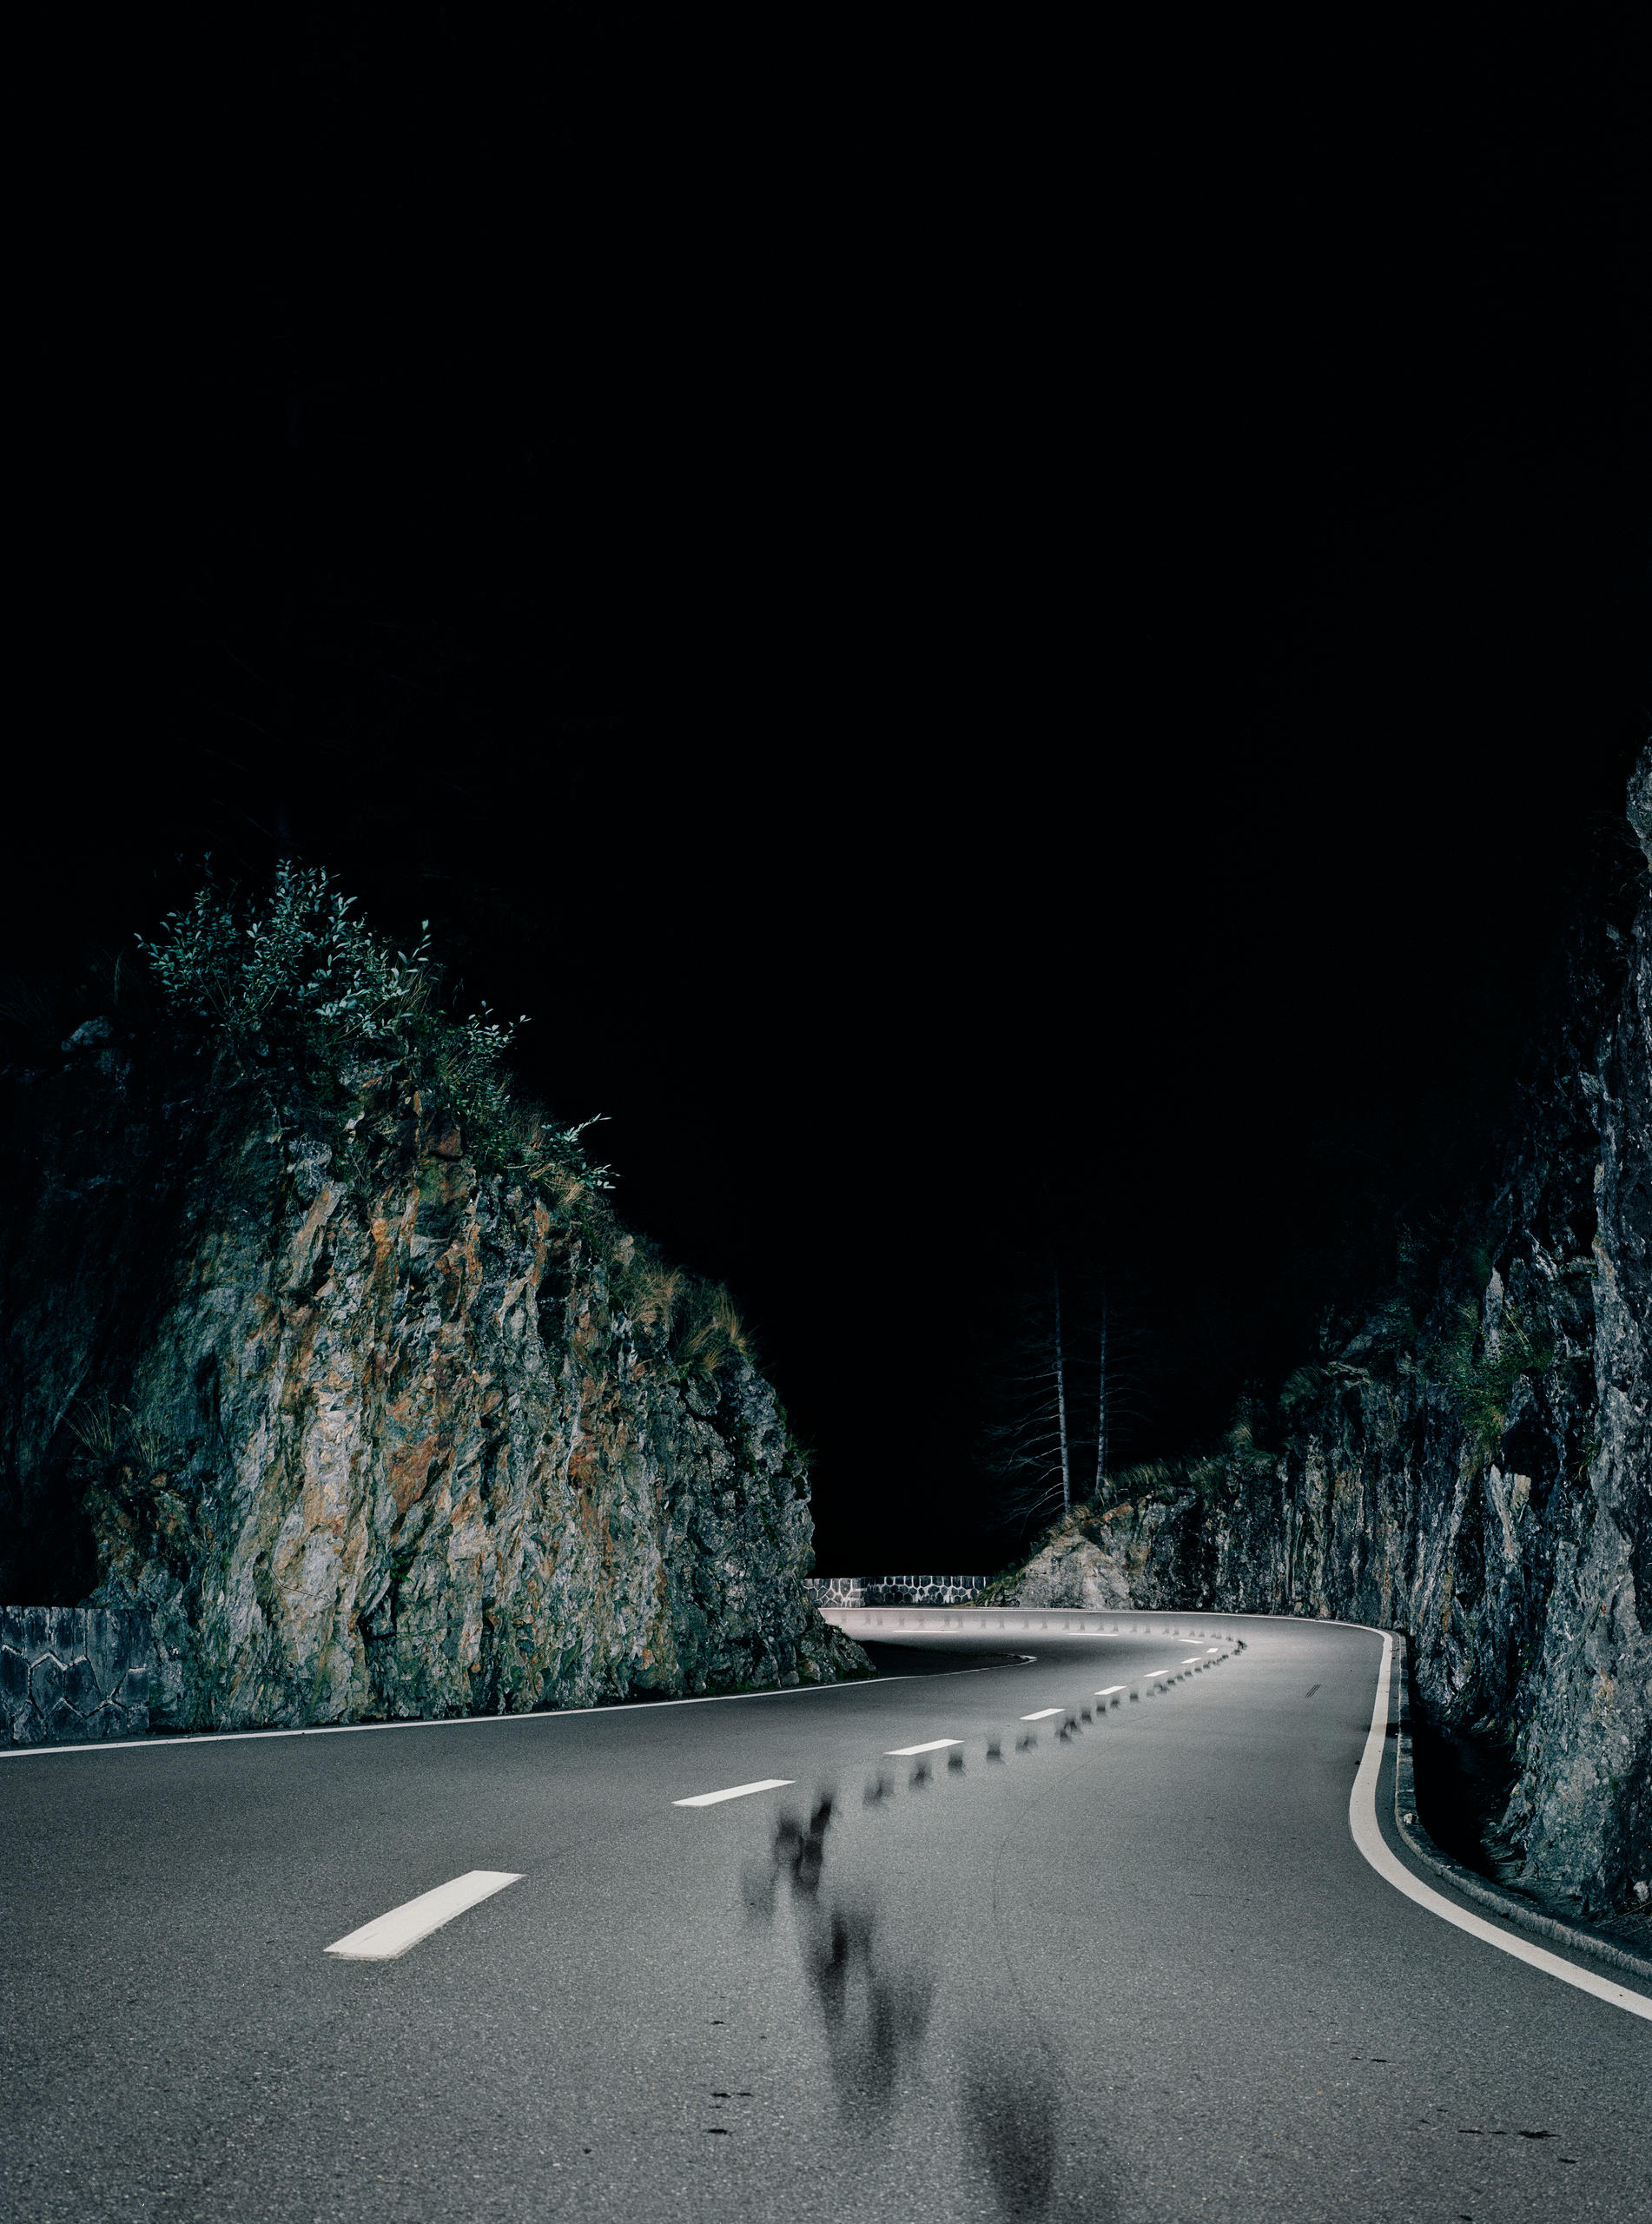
735,1791
933,1744
388,1935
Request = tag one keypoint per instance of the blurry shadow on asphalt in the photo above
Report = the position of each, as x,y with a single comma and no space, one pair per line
875,2006
876,2009
1009,2129
799,1852
1011,2111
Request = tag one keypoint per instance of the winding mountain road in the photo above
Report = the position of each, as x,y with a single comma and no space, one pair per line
1025,1964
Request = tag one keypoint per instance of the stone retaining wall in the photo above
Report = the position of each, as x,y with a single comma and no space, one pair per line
69,1674
896,1590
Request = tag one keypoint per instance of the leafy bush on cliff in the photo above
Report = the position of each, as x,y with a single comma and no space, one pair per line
299,972
300,976
297,967
1482,1369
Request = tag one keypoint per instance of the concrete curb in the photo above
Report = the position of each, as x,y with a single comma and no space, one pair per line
1488,1896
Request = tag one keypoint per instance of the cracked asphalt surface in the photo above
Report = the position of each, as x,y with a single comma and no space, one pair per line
1135,1970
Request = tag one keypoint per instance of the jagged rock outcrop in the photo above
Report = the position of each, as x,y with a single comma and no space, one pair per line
1486,1483
367,1432
1071,1569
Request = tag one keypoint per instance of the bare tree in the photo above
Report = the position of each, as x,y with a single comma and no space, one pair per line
1061,1391
1102,1403
1061,1380
1026,1443
1112,1370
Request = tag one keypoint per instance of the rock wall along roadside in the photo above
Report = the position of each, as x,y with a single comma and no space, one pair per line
73,1674
1499,1511
362,1431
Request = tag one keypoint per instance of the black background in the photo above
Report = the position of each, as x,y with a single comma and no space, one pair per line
1003,631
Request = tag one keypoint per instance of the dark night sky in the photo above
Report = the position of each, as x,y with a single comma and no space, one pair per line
992,634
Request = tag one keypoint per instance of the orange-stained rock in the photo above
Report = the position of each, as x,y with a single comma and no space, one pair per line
354,1469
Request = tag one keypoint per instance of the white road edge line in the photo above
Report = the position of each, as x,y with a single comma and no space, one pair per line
1361,1820
903,1752
1043,1715
185,1740
735,1791
389,1936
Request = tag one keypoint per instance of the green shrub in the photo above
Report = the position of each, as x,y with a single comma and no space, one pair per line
298,969
1484,1378
299,976
1302,1389
299,973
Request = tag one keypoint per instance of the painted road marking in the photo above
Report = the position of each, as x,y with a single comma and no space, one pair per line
164,1744
388,1935
735,1791
903,1752
1191,1659
1043,1715
1368,1836
1110,1690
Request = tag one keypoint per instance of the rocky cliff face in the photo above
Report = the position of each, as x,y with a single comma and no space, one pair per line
1486,1483
368,1432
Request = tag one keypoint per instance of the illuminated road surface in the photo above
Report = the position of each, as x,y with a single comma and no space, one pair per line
1083,1936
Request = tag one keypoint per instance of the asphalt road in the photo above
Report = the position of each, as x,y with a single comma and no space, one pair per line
1138,1972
